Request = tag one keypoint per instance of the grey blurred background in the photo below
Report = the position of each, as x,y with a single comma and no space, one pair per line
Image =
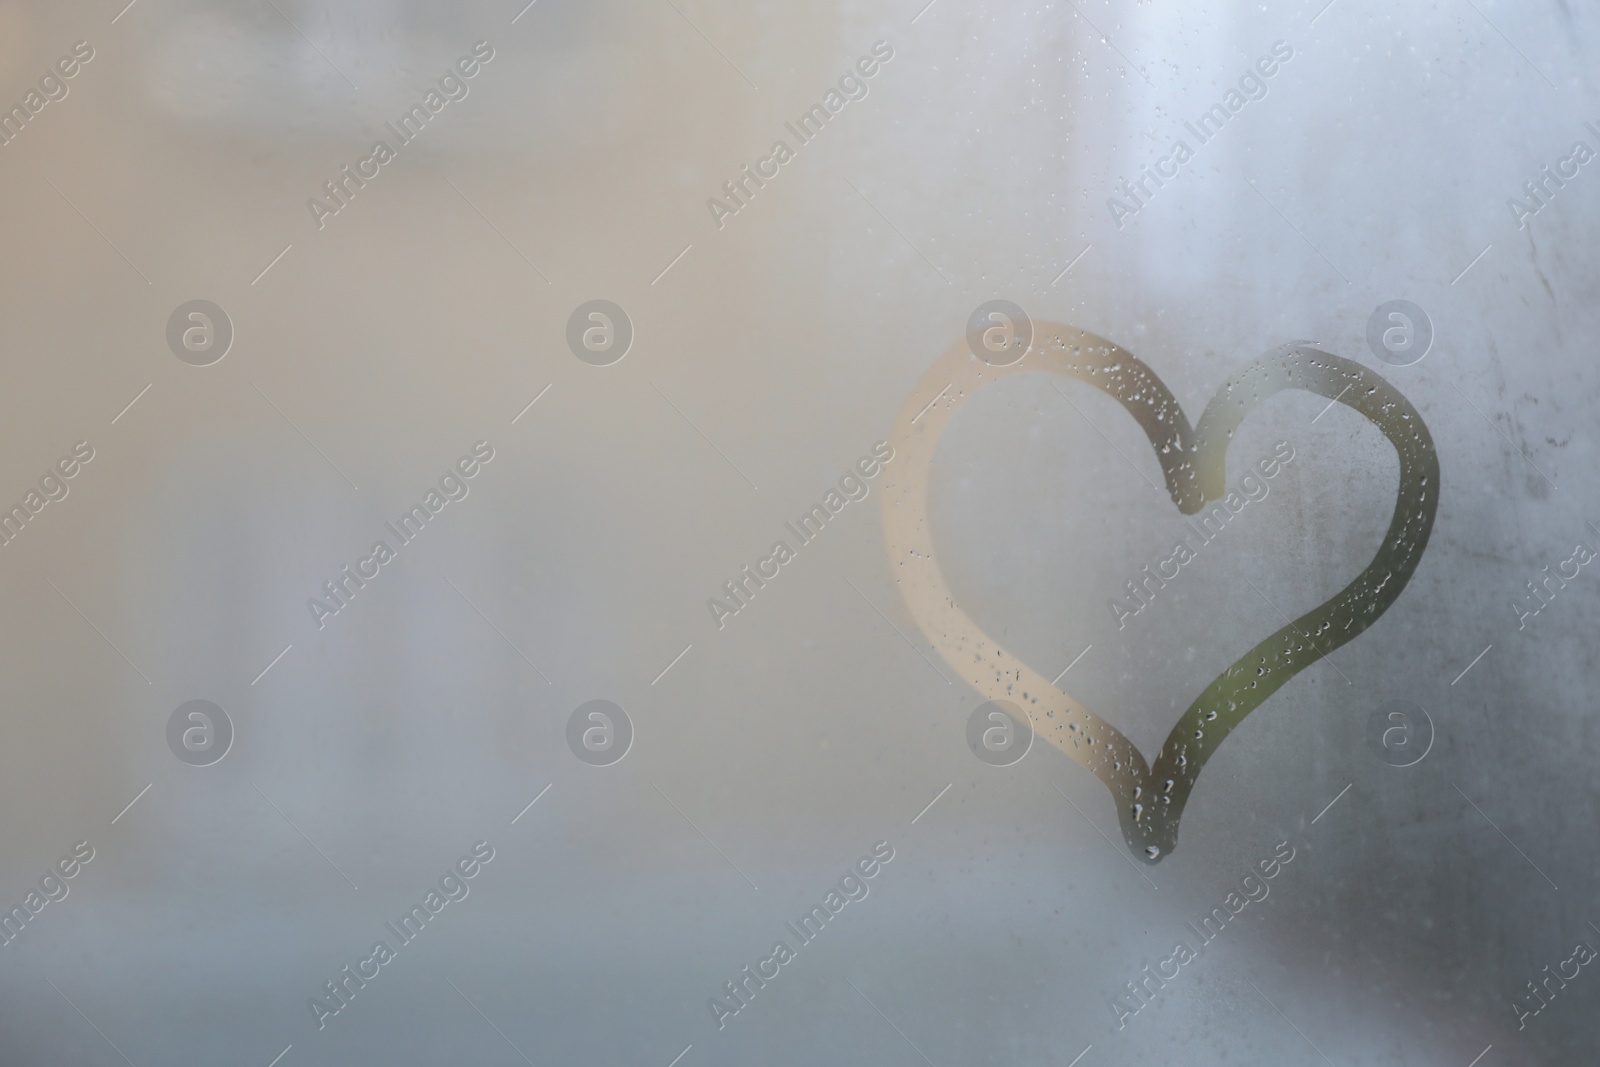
768,356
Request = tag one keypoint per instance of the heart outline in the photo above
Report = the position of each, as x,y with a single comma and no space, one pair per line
1193,461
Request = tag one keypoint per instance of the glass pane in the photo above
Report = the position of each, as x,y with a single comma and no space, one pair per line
680,533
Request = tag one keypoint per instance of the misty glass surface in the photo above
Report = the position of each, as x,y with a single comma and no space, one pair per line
683,533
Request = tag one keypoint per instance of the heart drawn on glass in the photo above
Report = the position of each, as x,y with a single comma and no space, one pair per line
1150,797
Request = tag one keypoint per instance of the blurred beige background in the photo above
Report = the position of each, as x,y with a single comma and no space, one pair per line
768,357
